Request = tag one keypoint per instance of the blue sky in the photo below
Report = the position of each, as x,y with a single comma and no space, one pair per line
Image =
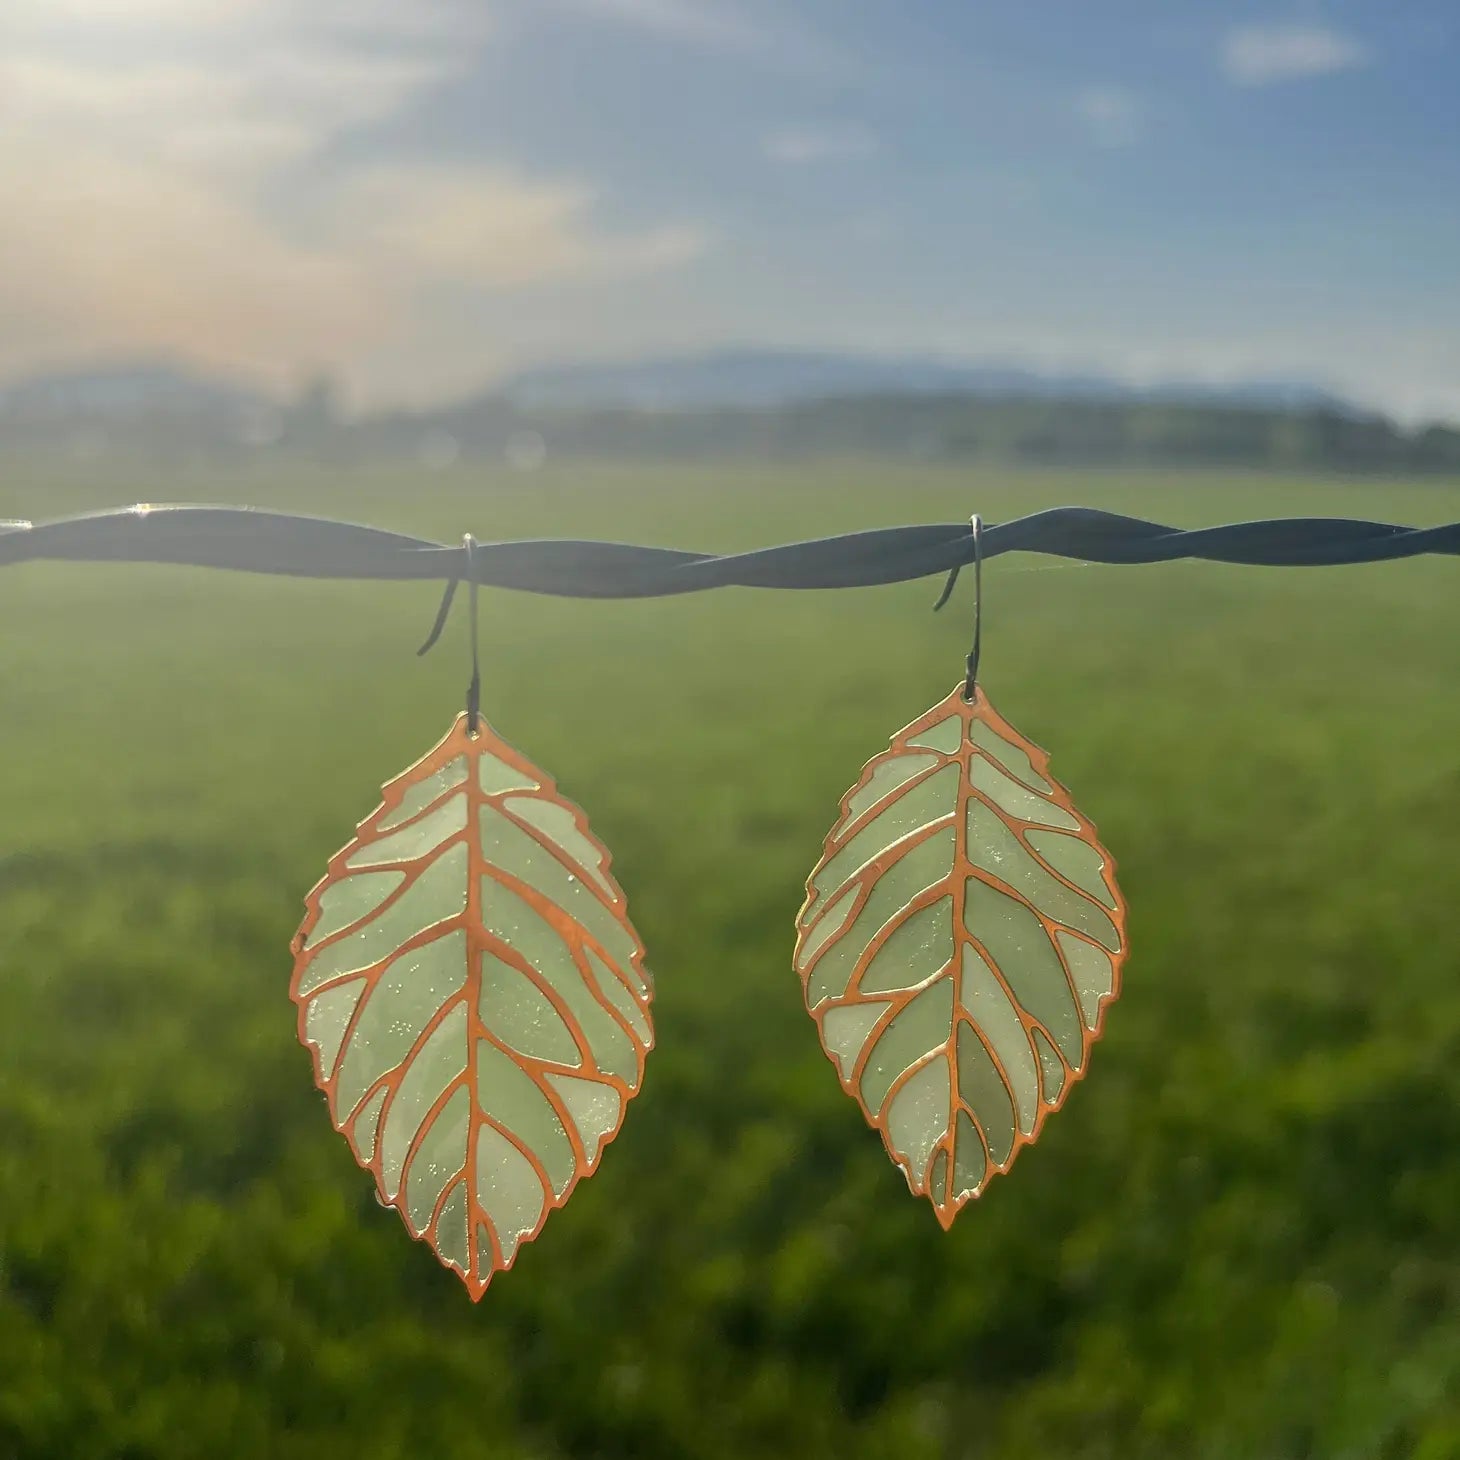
430,193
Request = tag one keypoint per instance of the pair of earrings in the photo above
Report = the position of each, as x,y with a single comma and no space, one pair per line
477,1004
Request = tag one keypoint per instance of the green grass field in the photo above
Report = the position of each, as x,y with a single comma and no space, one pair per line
1241,1238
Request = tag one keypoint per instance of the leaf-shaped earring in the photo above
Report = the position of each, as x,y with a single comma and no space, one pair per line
474,995
960,940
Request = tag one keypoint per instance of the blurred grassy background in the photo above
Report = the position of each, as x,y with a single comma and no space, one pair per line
1239,1239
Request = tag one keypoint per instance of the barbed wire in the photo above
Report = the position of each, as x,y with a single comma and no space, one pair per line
253,540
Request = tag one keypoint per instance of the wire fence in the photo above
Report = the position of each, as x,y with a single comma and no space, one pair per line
250,540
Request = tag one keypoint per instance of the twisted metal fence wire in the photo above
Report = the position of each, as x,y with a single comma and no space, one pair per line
256,541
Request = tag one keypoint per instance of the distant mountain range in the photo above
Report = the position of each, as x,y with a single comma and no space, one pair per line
123,391
764,379
715,380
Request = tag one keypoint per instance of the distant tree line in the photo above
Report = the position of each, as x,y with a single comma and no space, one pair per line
1036,432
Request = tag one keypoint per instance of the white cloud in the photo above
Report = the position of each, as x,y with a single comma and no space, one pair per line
1260,55
106,256
800,146
111,256
451,21
700,22
129,13
261,110
1111,115
227,72
393,18
488,228
144,204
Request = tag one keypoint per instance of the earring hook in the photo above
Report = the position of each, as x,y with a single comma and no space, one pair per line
474,689
970,683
